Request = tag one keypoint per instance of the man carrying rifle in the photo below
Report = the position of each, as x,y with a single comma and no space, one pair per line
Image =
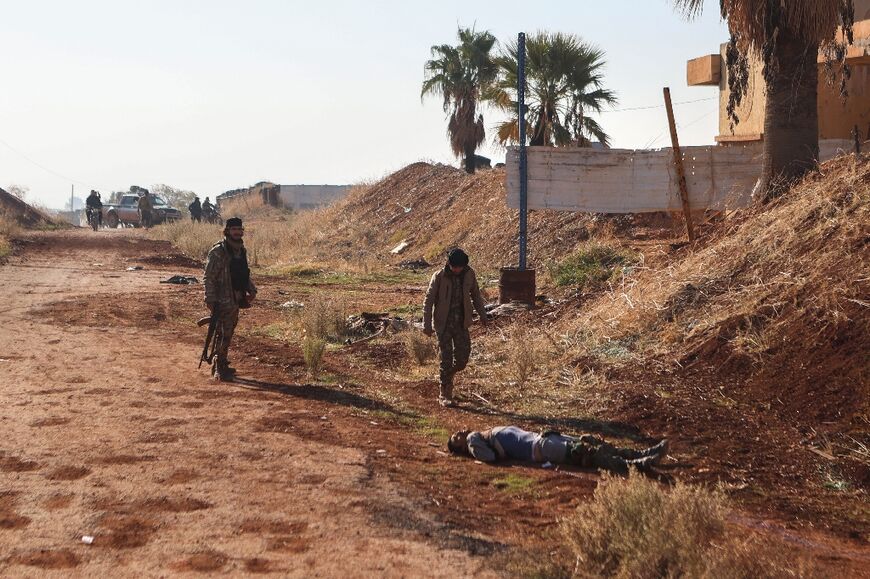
228,287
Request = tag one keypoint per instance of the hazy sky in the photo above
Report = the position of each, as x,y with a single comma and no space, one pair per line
215,95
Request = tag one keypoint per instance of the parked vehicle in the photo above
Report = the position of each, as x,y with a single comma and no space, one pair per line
127,211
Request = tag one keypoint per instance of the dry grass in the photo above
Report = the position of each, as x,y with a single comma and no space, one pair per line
9,230
192,239
324,318
312,353
420,347
525,354
634,528
803,255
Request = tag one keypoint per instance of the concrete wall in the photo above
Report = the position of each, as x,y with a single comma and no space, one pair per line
299,197
640,181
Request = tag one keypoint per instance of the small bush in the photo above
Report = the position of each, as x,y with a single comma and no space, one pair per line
524,355
312,353
592,265
633,528
325,318
420,347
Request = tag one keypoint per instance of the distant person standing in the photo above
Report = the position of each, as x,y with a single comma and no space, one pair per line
228,287
207,210
146,209
195,209
451,294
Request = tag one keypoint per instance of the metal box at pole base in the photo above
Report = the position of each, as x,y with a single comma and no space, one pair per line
516,285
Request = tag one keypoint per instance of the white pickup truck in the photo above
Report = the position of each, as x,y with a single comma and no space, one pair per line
127,211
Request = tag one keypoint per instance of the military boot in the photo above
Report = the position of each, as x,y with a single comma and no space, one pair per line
656,452
219,371
445,396
644,464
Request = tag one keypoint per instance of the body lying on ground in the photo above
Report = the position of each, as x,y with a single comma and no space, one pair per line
514,443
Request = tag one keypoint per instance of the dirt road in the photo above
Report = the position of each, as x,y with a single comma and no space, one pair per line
110,432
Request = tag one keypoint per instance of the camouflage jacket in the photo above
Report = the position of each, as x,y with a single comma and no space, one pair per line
218,283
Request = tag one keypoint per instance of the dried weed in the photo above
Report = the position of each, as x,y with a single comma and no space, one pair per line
634,528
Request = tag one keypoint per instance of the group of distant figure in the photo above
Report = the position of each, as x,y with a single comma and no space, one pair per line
204,210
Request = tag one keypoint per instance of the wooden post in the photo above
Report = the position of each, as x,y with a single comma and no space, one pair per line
857,134
678,163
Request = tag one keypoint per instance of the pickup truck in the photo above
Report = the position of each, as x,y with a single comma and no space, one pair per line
127,211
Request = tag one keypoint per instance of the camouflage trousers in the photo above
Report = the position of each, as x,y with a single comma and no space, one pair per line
589,451
146,219
454,343
228,317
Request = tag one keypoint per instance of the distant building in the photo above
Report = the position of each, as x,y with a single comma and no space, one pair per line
836,117
299,197
293,197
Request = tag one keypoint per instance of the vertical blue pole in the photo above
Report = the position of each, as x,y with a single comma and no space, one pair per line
524,175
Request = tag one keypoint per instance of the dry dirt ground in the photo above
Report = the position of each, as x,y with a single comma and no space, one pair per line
110,431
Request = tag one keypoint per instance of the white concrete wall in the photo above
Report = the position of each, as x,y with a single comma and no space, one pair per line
299,197
639,181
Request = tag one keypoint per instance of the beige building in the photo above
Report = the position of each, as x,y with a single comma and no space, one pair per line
837,117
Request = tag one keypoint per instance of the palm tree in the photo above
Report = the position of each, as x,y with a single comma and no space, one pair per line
786,37
565,82
459,74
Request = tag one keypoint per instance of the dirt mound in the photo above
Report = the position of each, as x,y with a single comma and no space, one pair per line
21,213
775,299
435,207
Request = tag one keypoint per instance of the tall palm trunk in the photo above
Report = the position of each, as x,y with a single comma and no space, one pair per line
470,159
791,119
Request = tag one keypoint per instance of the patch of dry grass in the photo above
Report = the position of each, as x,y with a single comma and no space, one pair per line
9,230
635,528
192,239
800,258
312,353
324,318
420,348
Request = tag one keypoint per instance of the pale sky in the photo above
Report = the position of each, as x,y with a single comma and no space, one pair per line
215,95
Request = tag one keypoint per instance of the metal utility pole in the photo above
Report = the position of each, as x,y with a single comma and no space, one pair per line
524,172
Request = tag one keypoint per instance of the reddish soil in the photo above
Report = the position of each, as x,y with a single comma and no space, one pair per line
110,431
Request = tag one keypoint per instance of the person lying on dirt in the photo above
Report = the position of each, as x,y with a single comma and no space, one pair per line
511,442
451,294
228,287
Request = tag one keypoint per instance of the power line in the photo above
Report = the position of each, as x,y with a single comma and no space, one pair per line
43,167
657,106
658,137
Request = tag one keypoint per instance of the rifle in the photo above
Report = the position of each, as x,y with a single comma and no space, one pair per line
210,337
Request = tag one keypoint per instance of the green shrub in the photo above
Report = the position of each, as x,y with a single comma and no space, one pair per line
593,264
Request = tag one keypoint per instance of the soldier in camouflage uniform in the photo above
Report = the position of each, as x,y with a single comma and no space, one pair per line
146,208
228,287
451,294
